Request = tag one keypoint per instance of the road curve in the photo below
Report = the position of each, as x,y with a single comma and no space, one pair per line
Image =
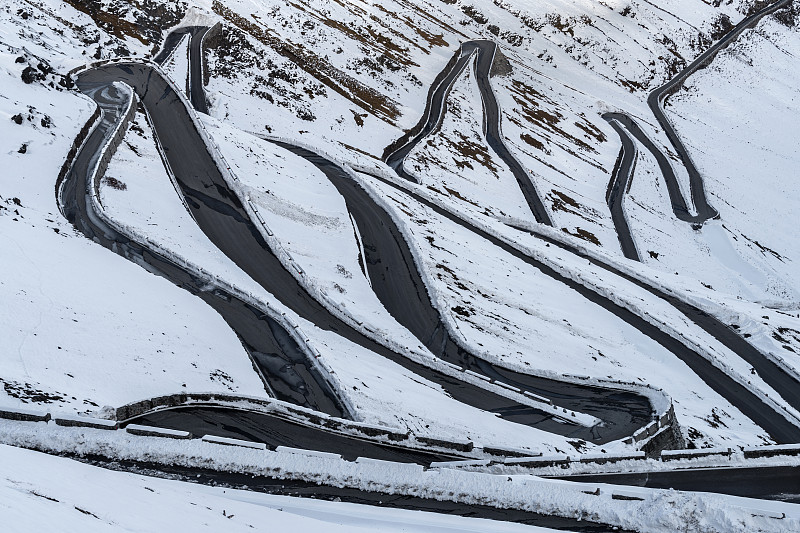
396,281
276,431
432,117
289,374
618,187
778,427
657,98
435,109
679,207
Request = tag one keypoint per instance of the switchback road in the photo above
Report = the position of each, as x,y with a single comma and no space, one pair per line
398,284
289,374
219,213
623,172
436,108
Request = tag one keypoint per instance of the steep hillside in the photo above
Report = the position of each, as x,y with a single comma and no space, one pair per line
473,287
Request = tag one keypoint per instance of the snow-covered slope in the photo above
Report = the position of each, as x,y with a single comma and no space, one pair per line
85,329
37,493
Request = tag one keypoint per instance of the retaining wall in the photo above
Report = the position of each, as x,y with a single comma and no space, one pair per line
633,462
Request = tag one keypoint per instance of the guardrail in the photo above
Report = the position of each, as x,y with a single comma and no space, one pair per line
516,460
277,408
525,493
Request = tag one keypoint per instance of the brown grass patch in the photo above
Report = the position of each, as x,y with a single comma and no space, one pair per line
366,97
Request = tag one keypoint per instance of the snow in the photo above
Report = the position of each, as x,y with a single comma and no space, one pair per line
85,328
37,493
654,510
455,160
177,64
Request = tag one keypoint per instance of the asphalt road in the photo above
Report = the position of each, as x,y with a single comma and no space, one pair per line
276,431
306,489
215,203
289,375
494,135
434,114
618,187
780,483
657,97
434,111
399,286
778,427
196,35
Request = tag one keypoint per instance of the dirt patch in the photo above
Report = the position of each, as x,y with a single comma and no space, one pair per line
532,112
560,201
143,20
27,393
583,234
318,67
114,183
535,143
279,82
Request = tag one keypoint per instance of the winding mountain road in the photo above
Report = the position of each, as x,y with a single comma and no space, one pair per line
655,100
435,109
220,215
290,376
